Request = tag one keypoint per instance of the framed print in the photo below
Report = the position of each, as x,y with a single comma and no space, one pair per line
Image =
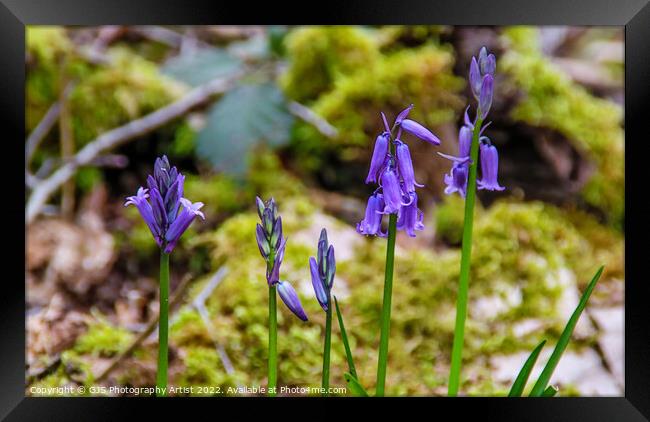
427,203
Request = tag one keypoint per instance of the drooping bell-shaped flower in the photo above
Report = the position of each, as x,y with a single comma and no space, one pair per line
378,157
456,180
405,166
290,298
414,128
392,192
371,224
485,99
489,168
410,217
162,206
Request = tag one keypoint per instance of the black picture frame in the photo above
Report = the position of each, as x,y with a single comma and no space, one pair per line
633,14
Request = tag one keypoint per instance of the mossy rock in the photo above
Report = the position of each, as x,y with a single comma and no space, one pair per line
552,100
319,54
127,88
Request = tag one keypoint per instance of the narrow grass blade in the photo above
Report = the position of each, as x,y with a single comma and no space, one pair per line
346,343
354,385
520,382
547,372
550,391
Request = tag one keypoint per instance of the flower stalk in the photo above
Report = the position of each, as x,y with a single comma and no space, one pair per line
163,326
385,310
466,253
167,214
273,341
462,179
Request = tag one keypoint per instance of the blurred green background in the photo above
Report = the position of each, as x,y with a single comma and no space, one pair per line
296,120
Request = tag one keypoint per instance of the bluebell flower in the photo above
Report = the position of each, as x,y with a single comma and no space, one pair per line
290,298
162,206
414,128
272,243
405,166
371,224
456,180
410,217
392,192
396,177
378,157
322,271
489,168
485,98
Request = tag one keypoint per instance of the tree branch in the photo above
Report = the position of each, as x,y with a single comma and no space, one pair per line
118,136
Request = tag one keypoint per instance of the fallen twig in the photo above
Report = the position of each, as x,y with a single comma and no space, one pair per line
306,114
118,136
199,305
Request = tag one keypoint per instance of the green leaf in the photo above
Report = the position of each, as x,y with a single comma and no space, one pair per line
550,391
520,382
202,66
344,336
354,385
547,372
244,117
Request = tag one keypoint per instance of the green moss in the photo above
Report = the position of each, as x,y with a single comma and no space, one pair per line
422,76
319,54
103,340
128,88
47,49
553,101
449,218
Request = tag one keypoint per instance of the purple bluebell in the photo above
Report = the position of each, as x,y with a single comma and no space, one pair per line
481,76
485,99
371,224
405,166
487,62
378,157
392,191
414,128
489,168
410,217
392,168
456,180
322,269
475,79
166,212
188,213
272,243
290,298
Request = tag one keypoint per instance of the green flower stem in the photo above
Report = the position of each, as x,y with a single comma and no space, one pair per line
385,311
273,341
326,349
163,325
463,287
